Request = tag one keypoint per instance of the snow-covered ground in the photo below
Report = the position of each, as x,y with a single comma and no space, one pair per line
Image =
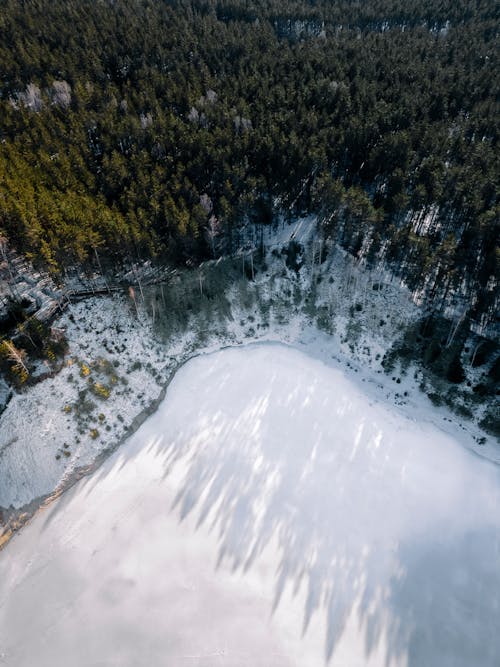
121,357
272,511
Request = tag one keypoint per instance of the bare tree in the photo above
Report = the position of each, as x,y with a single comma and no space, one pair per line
32,97
61,93
100,269
17,356
213,230
131,293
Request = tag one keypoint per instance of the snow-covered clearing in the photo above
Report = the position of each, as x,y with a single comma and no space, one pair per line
270,512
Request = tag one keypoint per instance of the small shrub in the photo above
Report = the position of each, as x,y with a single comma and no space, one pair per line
463,411
84,370
435,399
100,390
494,372
455,372
491,423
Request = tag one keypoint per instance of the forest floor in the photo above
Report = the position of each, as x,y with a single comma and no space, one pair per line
122,354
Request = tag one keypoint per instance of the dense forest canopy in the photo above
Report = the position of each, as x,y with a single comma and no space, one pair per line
159,128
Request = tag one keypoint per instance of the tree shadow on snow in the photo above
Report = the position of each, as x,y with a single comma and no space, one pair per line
269,473
433,598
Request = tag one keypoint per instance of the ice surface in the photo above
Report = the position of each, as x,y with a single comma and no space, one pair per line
269,513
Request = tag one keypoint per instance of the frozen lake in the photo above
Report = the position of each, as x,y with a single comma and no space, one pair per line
268,514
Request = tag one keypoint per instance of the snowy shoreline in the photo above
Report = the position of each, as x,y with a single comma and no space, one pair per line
318,346
64,427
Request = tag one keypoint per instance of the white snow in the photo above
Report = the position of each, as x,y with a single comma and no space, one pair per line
35,428
45,443
271,512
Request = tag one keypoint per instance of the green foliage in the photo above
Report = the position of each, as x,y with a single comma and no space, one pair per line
41,341
139,128
100,390
13,361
